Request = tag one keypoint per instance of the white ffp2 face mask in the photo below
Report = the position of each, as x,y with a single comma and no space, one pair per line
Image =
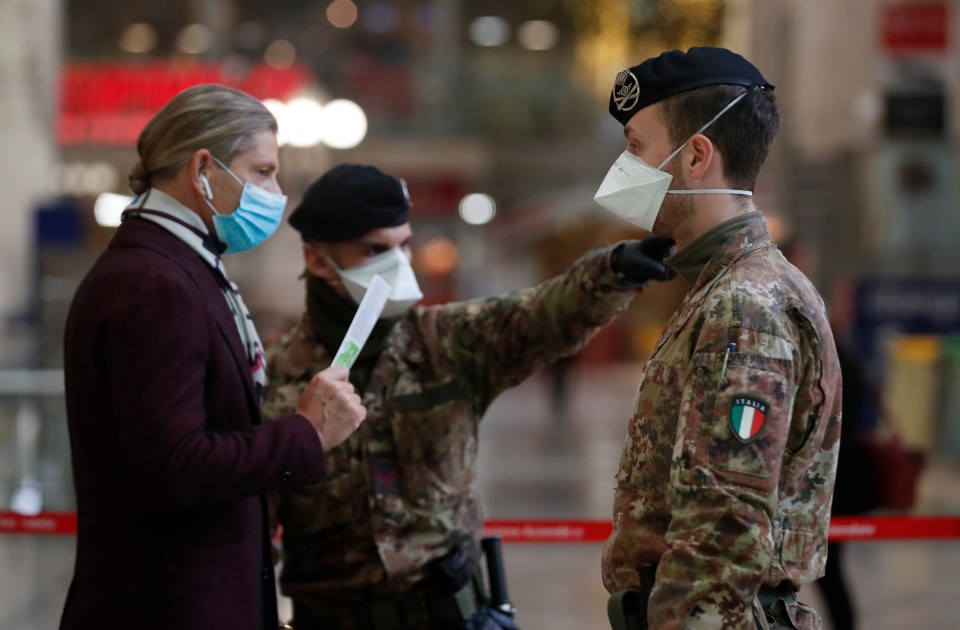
635,190
392,266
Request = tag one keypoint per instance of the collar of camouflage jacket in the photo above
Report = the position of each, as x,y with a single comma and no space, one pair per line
734,239
691,260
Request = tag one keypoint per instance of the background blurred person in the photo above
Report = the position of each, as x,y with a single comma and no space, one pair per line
856,486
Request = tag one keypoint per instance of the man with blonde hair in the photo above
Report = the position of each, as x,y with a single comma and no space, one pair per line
164,372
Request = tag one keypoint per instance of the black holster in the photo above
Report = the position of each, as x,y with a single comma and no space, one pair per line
627,609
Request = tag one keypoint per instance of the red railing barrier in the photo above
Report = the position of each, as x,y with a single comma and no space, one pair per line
892,527
841,528
43,523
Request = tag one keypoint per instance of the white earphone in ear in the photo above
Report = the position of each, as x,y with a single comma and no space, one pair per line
206,186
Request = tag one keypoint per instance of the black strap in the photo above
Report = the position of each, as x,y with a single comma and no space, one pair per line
418,608
768,595
210,242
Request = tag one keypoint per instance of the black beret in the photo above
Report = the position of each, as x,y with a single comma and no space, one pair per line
676,71
348,201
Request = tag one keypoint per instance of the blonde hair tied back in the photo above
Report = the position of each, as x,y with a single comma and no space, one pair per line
209,116
138,179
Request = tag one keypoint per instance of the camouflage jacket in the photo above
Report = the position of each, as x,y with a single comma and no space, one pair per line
727,473
400,491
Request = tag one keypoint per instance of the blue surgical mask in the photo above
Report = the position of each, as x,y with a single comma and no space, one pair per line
255,219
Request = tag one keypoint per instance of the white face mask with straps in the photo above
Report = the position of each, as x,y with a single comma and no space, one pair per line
394,267
635,190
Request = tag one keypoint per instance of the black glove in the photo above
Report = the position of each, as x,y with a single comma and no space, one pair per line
451,572
639,261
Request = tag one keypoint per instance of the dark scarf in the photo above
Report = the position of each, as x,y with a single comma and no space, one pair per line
331,315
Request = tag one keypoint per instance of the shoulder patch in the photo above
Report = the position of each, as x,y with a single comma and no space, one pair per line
747,417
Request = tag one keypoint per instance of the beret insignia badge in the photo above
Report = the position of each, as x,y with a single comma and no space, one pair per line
626,91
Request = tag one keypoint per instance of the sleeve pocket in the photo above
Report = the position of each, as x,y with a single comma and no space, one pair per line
738,418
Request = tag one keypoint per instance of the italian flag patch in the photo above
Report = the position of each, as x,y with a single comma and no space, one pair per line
747,416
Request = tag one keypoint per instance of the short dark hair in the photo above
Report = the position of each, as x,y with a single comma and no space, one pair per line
742,135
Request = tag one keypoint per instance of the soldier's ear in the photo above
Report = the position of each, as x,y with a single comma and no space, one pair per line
317,262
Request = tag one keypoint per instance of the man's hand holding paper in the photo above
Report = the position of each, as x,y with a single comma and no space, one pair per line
330,402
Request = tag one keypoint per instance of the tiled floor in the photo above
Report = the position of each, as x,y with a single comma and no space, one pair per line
534,464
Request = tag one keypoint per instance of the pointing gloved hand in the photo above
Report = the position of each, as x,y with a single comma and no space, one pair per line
639,261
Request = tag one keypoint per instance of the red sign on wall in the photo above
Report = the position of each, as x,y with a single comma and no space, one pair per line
915,27
109,103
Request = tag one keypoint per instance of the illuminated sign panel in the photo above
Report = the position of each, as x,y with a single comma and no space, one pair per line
109,103
915,26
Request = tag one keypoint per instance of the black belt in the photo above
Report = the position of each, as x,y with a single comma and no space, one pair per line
419,608
768,595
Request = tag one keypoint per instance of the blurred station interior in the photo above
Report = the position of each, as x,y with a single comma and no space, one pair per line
495,114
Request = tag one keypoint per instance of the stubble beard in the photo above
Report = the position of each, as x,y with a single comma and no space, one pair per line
676,210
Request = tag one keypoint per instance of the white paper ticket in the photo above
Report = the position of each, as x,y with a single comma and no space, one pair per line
363,322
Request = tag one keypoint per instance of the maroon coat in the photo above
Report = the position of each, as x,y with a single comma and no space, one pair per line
170,459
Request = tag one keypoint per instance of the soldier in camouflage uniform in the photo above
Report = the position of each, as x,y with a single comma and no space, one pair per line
390,539
727,473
